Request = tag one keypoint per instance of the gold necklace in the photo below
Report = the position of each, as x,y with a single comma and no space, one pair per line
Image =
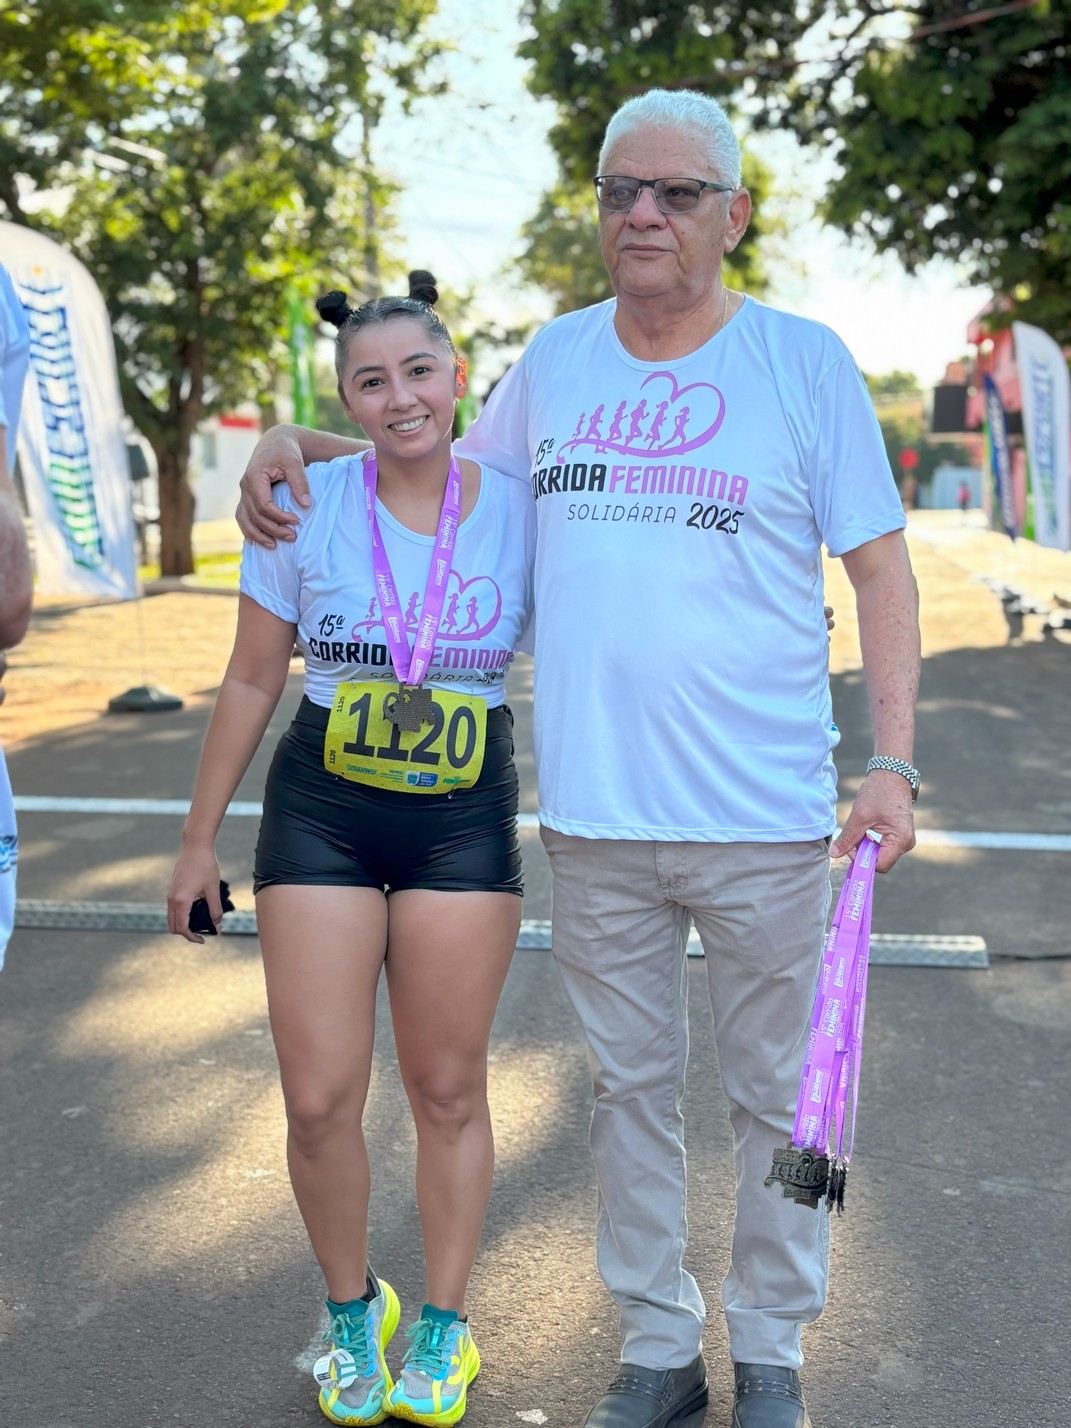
724,309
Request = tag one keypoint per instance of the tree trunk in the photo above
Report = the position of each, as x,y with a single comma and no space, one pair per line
176,513
269,414
371,241
185,406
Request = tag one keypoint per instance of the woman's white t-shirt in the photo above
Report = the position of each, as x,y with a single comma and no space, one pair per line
323,582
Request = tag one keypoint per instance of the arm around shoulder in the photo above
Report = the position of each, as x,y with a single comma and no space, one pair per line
282,454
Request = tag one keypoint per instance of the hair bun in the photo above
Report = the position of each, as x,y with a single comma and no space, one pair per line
422,287
334,308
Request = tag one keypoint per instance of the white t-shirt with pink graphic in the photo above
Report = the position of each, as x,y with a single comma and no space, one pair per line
681,678
323,582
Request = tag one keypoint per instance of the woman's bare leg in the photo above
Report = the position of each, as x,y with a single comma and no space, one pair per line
447,958
323,950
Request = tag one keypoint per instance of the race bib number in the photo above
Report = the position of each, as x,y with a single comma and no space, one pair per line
363,746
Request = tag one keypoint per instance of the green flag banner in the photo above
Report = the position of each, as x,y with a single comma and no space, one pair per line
302,386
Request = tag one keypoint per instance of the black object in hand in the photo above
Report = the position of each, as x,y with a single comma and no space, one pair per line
201,918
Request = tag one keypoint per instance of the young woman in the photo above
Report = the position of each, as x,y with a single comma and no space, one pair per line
389,834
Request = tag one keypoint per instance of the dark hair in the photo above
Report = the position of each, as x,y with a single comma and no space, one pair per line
420,303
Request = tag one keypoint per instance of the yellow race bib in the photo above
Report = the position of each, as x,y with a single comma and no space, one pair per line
362,745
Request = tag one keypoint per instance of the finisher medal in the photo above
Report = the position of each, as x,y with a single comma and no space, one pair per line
409,706
814,1165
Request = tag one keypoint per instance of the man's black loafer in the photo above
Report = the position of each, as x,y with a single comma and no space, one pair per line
768,1397
653,1398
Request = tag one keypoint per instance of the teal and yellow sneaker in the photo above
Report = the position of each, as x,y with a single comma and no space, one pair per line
353,1376
441,1361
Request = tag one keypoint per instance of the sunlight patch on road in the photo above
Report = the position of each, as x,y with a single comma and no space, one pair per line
526,1095
164,1006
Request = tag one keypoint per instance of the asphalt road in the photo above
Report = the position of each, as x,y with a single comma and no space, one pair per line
153,1268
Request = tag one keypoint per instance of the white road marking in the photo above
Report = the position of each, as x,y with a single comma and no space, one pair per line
179,807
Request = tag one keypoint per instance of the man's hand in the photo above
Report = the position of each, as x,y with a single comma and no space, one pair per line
884,805
277,457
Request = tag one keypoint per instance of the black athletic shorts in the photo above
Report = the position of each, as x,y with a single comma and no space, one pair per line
319,828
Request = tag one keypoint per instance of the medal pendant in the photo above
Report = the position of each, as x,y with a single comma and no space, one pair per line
835,1194
802,1174
408,707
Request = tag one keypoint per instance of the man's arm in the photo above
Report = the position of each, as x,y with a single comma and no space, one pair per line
282,454
16,575
887,603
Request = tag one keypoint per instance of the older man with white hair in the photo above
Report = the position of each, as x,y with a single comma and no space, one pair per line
690,451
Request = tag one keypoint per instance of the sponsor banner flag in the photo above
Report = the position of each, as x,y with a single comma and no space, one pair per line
303,386
71,444
1045,384
996,432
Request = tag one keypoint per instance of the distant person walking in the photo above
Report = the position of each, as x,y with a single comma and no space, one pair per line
963,497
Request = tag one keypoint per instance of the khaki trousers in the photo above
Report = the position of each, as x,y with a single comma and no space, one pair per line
620,925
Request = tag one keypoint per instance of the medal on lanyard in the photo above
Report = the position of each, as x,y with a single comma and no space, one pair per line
804,1171
410,705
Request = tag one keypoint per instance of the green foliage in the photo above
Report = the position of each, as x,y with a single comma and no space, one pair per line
898,403
199,159
958,144
894,386
561,250
592,55
951,124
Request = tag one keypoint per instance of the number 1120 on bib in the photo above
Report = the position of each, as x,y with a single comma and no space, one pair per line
362,745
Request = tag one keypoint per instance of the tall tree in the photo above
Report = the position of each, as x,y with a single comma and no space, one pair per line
199,159
950,120
956,142
590,56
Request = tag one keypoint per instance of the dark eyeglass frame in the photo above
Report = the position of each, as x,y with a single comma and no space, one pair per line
657,187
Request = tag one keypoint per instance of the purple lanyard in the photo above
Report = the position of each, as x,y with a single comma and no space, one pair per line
412,669
835,1044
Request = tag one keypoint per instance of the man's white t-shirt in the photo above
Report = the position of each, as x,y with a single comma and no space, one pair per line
14,360
324,583
681,676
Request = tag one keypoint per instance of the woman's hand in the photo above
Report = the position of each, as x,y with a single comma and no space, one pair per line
196,875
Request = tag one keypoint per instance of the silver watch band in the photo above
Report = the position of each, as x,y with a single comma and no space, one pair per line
899,766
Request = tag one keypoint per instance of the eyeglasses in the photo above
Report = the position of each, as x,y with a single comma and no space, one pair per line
618,193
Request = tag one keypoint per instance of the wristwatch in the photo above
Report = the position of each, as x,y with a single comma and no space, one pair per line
900,766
